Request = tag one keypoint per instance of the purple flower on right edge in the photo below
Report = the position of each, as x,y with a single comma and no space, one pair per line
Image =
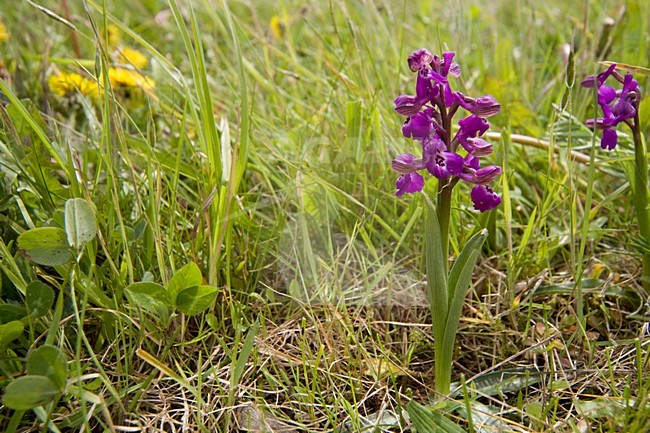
616,105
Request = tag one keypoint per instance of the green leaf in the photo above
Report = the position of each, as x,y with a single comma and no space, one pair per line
39,298
149,296
80,225
186,277
506,380
46,246
535,409
196,299
241,360
29,391
10,331
428,420
436,270
49,361
11,312
459,279
484,418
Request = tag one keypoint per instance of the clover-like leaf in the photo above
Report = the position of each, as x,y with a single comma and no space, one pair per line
186,277
196,299
39,298
29,391
49,361
80,225
46,246
149,296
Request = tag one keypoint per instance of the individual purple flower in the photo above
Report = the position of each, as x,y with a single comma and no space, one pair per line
419,59
485,106
407,163
472,172
419,126
425,91
442,68
439,162
616,106
484,198
473,126
477,146
407,105
609,139
470,128
446,66
410,182
624,108
599,78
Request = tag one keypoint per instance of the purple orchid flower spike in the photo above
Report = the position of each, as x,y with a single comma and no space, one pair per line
429,114
616,106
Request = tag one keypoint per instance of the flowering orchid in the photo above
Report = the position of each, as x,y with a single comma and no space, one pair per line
617,106
429,113
622,106
450,156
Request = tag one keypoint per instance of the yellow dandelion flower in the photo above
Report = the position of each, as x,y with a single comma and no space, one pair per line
66,84
132,57
4,34
114,35
121,78
277,26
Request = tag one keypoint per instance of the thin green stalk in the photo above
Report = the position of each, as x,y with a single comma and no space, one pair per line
641,198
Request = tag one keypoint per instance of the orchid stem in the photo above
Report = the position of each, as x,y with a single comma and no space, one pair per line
442,356
641,199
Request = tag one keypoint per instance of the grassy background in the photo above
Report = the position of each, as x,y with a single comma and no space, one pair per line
264,157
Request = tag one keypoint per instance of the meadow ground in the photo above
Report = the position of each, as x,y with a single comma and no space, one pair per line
236,258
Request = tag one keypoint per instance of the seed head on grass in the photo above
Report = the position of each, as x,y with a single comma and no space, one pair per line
429,116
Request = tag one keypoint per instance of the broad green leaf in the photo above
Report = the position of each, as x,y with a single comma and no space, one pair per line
80,226
436,270
11,312
459,279
46,246
428,420
607,407
186,277
506,380
10,331
196,299
29,391
49,361
149,296
39,298
484,418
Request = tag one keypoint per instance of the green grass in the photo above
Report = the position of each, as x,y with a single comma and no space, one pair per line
265,159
